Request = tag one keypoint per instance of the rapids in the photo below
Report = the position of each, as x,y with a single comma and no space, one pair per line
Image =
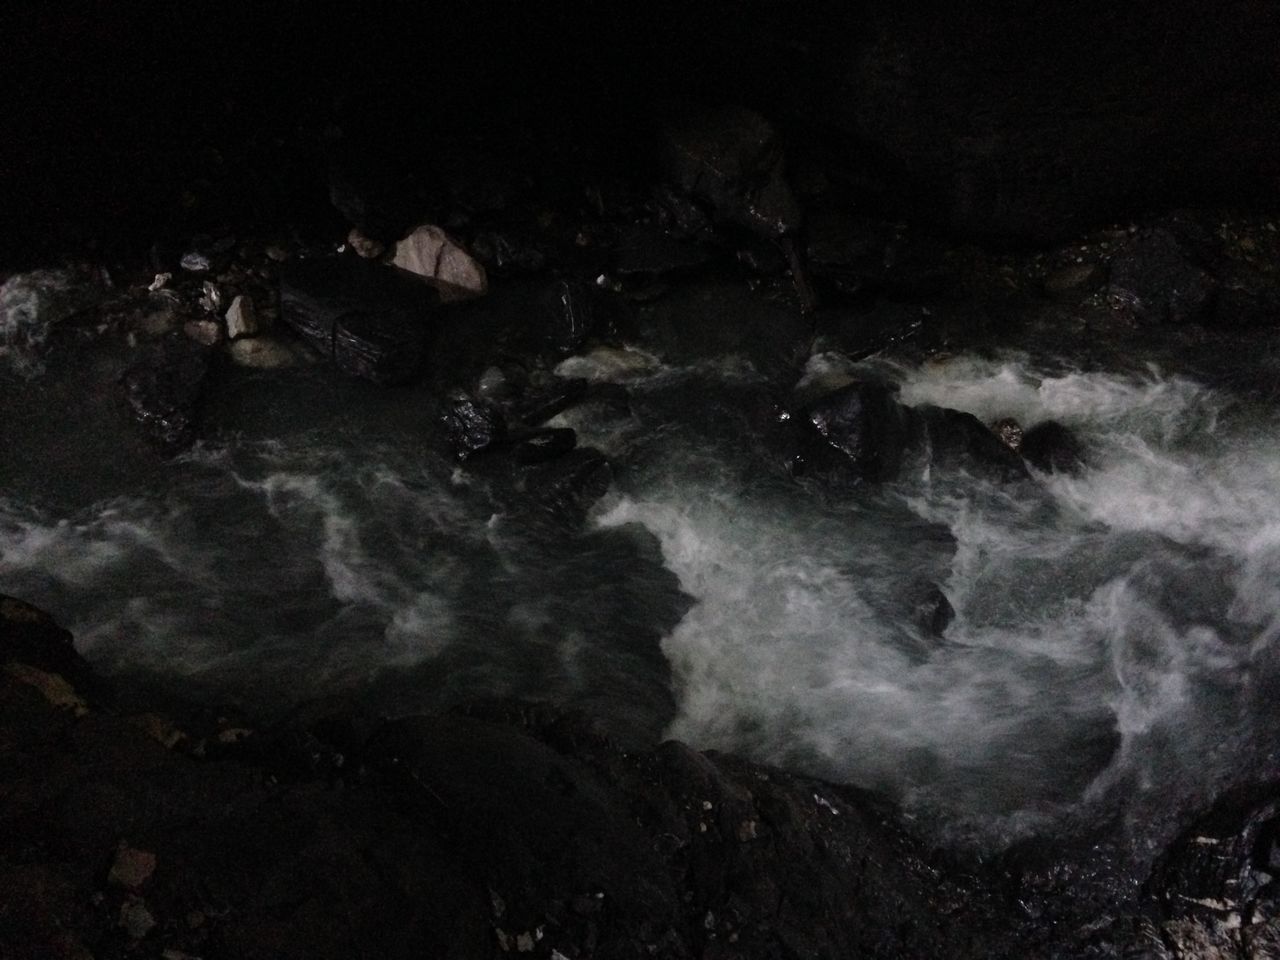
1113,648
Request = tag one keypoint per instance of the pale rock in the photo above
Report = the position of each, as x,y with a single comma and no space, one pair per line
433,255
242,318
265,353
366,247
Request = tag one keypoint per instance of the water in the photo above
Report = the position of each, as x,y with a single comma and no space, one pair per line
1113,646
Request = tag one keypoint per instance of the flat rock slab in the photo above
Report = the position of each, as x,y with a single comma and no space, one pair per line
371,321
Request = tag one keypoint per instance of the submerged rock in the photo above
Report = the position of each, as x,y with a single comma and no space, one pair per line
164,389
1153,277
367,318
955,440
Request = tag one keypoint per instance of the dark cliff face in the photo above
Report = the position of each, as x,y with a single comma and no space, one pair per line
1008,122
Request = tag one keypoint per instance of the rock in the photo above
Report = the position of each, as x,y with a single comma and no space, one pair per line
540,446
1052,448
196,261
955,440
1153,278
242,318
135,919
161,279
31,304
207,333
164,389
437,258
539,407
569,484
1246,298
860,430
52,686
732,159
932,610
1009,431
365,317
131,868
264,353
210,297
31,637
646,252
569,311
364,246
509,253
471,426
1074,282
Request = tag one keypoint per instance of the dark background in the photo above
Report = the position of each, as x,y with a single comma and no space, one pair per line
1005,122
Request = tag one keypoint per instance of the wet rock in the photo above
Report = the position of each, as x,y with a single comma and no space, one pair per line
437,258
932,610
1153,278
570,483
1009,431
210,297
568,307
471,426
363,316
732,159
540,446
1074,282
540,406
242,318
32,303
1053,448
960,441
164,389
860,429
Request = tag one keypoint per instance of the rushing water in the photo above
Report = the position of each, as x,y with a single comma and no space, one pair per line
1114,635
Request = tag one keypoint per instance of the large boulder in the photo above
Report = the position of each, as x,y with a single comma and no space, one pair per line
365,317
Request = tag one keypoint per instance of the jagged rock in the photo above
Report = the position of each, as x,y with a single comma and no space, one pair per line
367,318
732,159
540,446
1052,448
164,389
437,258
1153,278
471,426
242,318
569,309
860,429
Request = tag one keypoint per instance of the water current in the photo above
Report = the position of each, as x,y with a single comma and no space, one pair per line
1113,644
